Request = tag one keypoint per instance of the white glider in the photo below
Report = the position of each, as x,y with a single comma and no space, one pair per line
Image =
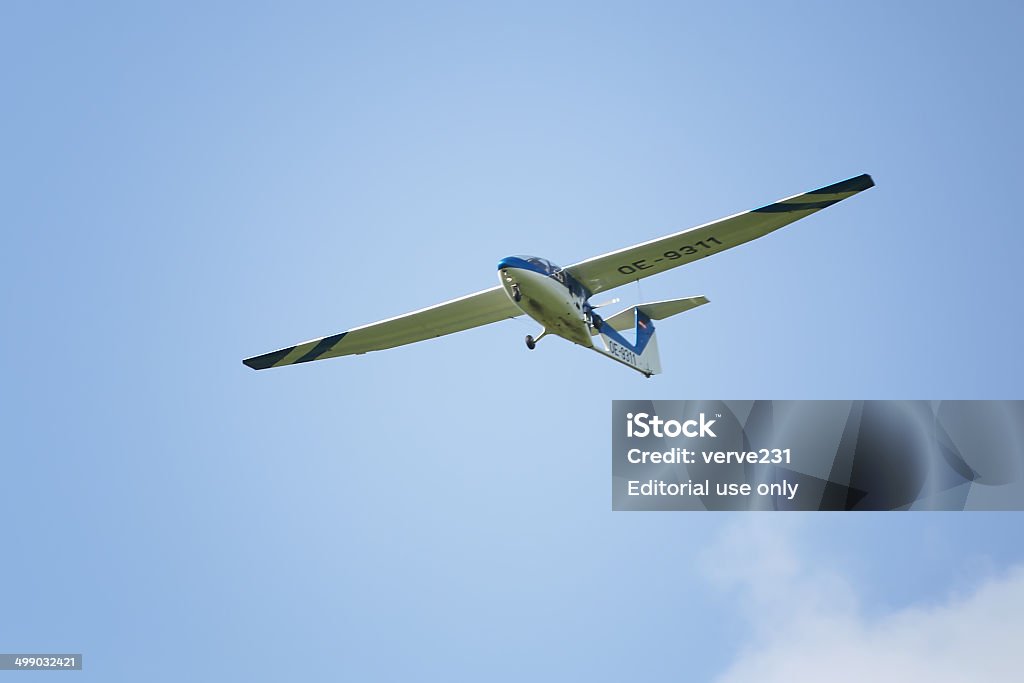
559,298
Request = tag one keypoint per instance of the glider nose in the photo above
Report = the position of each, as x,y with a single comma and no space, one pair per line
511,262
507,271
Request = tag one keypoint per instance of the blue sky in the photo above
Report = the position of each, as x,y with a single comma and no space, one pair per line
188,185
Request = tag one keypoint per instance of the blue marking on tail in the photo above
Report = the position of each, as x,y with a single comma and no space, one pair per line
644,332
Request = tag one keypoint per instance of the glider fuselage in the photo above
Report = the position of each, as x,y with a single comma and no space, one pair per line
549,295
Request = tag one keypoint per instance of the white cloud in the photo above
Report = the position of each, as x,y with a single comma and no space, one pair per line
808,624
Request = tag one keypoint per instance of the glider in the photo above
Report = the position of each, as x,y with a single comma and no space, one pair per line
559,298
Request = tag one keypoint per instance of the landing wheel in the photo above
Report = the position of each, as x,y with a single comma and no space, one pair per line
517,296
531,343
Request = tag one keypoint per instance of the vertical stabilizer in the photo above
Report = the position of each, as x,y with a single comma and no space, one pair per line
641,354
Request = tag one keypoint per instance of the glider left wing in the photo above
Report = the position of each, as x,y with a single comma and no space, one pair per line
473,310
656,256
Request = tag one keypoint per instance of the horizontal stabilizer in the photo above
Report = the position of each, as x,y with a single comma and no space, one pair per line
657,310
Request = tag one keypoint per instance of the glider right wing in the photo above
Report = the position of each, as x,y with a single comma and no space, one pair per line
473,310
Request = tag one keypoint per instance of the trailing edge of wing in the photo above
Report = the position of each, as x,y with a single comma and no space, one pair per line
656,256
473,310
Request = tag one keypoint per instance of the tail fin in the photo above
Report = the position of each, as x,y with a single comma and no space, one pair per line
642,354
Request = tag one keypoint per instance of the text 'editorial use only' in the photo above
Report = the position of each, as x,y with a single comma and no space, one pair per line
818,455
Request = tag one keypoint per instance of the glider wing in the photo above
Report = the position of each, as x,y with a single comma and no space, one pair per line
473,310
656,256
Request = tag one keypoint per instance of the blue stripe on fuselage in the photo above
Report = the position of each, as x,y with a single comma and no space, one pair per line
545,267
517,262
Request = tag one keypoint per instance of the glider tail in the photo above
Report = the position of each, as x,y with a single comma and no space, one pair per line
642,353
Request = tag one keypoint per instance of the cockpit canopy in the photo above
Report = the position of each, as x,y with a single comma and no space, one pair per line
542,263
545,267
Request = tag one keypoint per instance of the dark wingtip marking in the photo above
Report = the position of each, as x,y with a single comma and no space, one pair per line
322,347
267,360
861,182
802,206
